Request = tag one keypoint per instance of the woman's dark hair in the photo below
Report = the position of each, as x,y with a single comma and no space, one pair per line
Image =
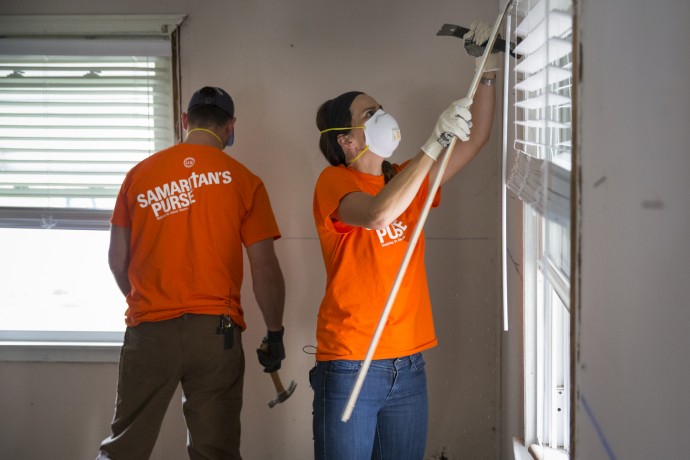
335,113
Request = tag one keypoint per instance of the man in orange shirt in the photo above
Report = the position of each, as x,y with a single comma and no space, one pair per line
179,224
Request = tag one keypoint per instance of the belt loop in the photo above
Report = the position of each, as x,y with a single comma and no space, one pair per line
399,363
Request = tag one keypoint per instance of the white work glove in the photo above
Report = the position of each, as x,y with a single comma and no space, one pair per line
456,120
475,43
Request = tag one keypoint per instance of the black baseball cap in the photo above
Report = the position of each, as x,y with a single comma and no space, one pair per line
211,95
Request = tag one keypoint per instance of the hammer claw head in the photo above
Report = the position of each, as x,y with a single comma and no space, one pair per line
284,395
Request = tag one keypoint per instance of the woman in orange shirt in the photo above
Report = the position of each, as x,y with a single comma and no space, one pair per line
365,210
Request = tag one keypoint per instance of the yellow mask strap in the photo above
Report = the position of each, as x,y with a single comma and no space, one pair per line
341,129
347,129
207,131
359,155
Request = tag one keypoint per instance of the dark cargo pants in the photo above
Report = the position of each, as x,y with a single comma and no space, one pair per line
155,357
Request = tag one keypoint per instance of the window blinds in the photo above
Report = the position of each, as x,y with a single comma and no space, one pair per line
541,178
72,125
543,75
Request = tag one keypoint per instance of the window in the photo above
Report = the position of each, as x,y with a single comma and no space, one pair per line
542,111
75,115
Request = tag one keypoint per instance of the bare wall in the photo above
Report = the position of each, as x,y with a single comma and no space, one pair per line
633,315
280,60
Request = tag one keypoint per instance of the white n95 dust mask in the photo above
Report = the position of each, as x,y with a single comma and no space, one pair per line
382,134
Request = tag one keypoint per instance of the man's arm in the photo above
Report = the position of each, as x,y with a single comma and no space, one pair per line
268,283
118,256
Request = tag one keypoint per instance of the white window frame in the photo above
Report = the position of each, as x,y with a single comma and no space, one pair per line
546,288
128,29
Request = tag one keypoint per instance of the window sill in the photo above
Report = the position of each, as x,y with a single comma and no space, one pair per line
536,452
60,352
547,453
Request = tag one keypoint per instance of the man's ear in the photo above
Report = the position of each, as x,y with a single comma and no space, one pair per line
230,125
185,120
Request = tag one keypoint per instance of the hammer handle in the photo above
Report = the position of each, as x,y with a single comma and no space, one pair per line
277,383
274,375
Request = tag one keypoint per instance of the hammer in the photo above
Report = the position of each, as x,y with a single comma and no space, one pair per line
281,393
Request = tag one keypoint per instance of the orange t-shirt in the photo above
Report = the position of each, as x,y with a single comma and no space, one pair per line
190,209
361,267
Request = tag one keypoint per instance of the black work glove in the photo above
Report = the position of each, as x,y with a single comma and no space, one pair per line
272,351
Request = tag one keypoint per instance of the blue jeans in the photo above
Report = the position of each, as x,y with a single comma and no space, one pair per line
389,421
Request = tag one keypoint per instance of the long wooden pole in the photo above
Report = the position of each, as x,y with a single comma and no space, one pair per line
445,156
